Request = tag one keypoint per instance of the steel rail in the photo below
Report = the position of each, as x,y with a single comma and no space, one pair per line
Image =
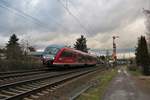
23,71
21,74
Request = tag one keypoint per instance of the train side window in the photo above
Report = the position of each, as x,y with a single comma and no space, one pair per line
67,54
74,54
82,58
88,58
79,58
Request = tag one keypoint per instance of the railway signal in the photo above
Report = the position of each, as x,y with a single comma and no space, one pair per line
114,56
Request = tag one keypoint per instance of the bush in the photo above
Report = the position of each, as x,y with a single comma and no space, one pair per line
146,70
14,65
132,67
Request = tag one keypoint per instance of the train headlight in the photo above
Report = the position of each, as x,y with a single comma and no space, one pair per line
44,57
48,57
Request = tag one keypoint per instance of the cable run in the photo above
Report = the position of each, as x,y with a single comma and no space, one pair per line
78,14
69,12
7,6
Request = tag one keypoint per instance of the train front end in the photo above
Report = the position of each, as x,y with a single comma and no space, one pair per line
49,55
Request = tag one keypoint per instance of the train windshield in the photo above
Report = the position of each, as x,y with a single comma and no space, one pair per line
51,50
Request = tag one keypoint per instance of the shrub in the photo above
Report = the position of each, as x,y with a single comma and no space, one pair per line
132,67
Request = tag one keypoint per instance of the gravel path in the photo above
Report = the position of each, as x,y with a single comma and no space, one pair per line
123,87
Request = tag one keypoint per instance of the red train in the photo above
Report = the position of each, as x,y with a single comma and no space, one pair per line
56,55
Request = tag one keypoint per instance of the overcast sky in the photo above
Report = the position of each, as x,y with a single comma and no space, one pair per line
44,22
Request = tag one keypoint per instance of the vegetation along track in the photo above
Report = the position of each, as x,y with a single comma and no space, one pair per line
19,90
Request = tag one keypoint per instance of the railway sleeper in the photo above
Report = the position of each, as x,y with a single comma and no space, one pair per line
22,89
34,97
31,85
9,93
15,90
27,99
2,96
27,87
35,83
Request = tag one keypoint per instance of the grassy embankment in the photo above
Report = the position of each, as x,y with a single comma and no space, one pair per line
142,81
135,72
96,93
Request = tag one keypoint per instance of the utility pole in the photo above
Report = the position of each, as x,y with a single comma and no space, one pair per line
27,47
107,55
114,56
147,15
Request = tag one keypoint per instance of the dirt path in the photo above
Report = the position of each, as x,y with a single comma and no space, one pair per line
123,87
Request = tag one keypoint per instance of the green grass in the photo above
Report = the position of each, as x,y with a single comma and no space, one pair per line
134,70
136,73
97,92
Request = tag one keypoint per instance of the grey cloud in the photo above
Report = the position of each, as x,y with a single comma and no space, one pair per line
109,15
99,16
47,19
20,17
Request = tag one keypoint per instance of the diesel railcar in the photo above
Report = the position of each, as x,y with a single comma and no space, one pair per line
58,55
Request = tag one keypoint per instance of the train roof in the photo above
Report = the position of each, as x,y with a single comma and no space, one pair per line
68,48
78,51
56,45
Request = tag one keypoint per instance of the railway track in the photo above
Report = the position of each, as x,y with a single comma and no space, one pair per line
23,71
8,77
20,74
24,88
